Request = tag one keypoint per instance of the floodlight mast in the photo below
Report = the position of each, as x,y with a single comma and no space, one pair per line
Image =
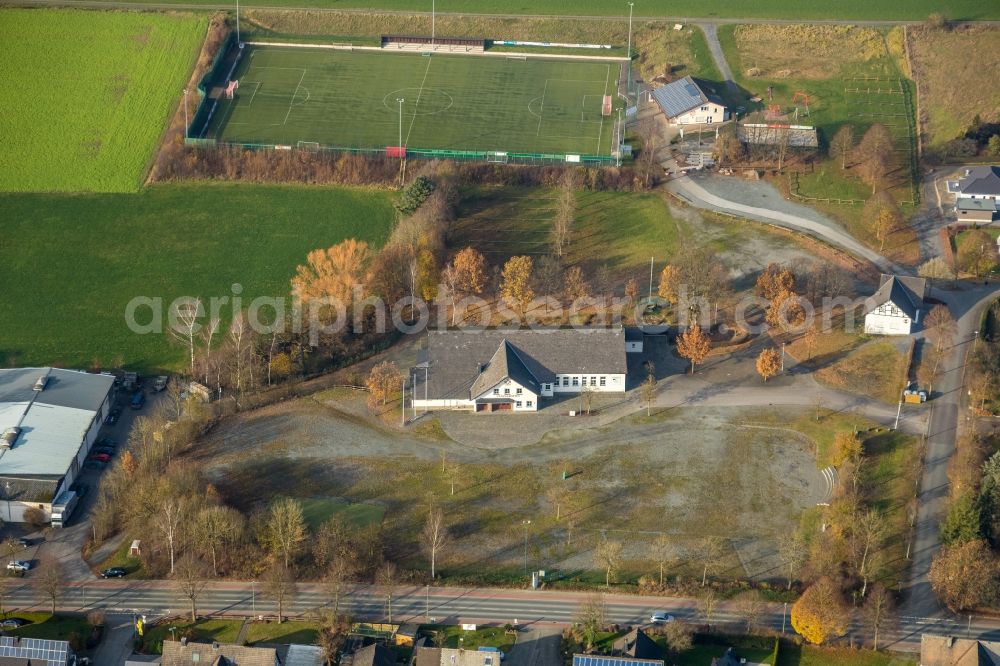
433,20
237,22
400,100
628,83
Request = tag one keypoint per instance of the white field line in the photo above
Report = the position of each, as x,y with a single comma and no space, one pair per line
293,96
600,132
416,105
541,109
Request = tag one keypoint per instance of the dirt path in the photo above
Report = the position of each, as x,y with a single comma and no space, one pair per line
715,47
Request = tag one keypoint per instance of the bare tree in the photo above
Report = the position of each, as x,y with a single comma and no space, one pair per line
562,223
279,584
184,316
190,580
548,277
708,602
608,556
385,577
842,144
749,606
435,536
664,552
649,134
591,616
342,567
868,534
167,521
941,327
793,552
712,549
648,393
587,398
878,610
218,527
284,529
51,582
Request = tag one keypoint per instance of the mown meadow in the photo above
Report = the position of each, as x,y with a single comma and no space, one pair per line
84,95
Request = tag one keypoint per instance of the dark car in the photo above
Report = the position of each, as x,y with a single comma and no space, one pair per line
101,457
13,623
138,400
94,464
103,449
25,542
113,415
113,572
80,489
107,442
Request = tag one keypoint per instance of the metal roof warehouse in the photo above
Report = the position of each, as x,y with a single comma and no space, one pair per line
49,418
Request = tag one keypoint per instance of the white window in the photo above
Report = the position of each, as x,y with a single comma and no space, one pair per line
603,381
593,381
576,381
506,391
518,403
530,403
519,391
565,381
704,108
496,391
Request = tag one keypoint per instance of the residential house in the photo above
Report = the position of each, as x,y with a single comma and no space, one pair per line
517,369
951,651
188,653
731,658
433,656
135,659
636,644
685,102
977,194
602,660
375,654
895,308
17,651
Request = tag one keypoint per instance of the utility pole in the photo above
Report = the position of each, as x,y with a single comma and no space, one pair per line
651,278
433,20
628,83
782,358
525,523
400,101
238,42
899,410
253,596
402,404
783,613
186,123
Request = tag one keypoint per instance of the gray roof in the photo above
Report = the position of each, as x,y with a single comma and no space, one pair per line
981,180
976,205
951,651
637,644
371,655
216,654
681,96
53,421
33,651
460,360
303,655
906,293
137,659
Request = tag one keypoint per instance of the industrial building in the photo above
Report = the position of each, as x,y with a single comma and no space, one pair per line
49,419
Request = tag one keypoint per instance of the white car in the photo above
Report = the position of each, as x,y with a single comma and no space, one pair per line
661,617
20,566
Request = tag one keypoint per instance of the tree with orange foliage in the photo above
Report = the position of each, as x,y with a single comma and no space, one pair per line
693,345
333,272
515,286
820,613
768,363
670,280
786,311
774,280
382,382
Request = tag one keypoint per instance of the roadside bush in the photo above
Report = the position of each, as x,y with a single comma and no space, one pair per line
35,517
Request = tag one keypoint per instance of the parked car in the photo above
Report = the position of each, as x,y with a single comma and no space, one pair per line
19,566
107,441
113,416
102,457
113,572
160,383
495,650
103,451
138,400
661,617
14,623
94,464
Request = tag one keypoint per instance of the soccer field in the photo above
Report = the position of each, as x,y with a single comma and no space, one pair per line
350,99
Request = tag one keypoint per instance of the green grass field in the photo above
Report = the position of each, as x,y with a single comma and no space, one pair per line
619,229
85,94
871,10
74,262
349,99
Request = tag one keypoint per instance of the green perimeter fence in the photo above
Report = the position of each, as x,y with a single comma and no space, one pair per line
222,68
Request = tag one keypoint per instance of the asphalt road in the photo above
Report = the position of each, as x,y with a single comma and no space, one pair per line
456,605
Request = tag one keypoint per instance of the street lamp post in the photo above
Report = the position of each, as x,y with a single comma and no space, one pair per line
253,597
433,19
237,22
525,523
186,124
628,83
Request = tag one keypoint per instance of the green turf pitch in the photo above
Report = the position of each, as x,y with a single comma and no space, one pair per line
349,99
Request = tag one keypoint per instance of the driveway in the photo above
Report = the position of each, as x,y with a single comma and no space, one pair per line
537,645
